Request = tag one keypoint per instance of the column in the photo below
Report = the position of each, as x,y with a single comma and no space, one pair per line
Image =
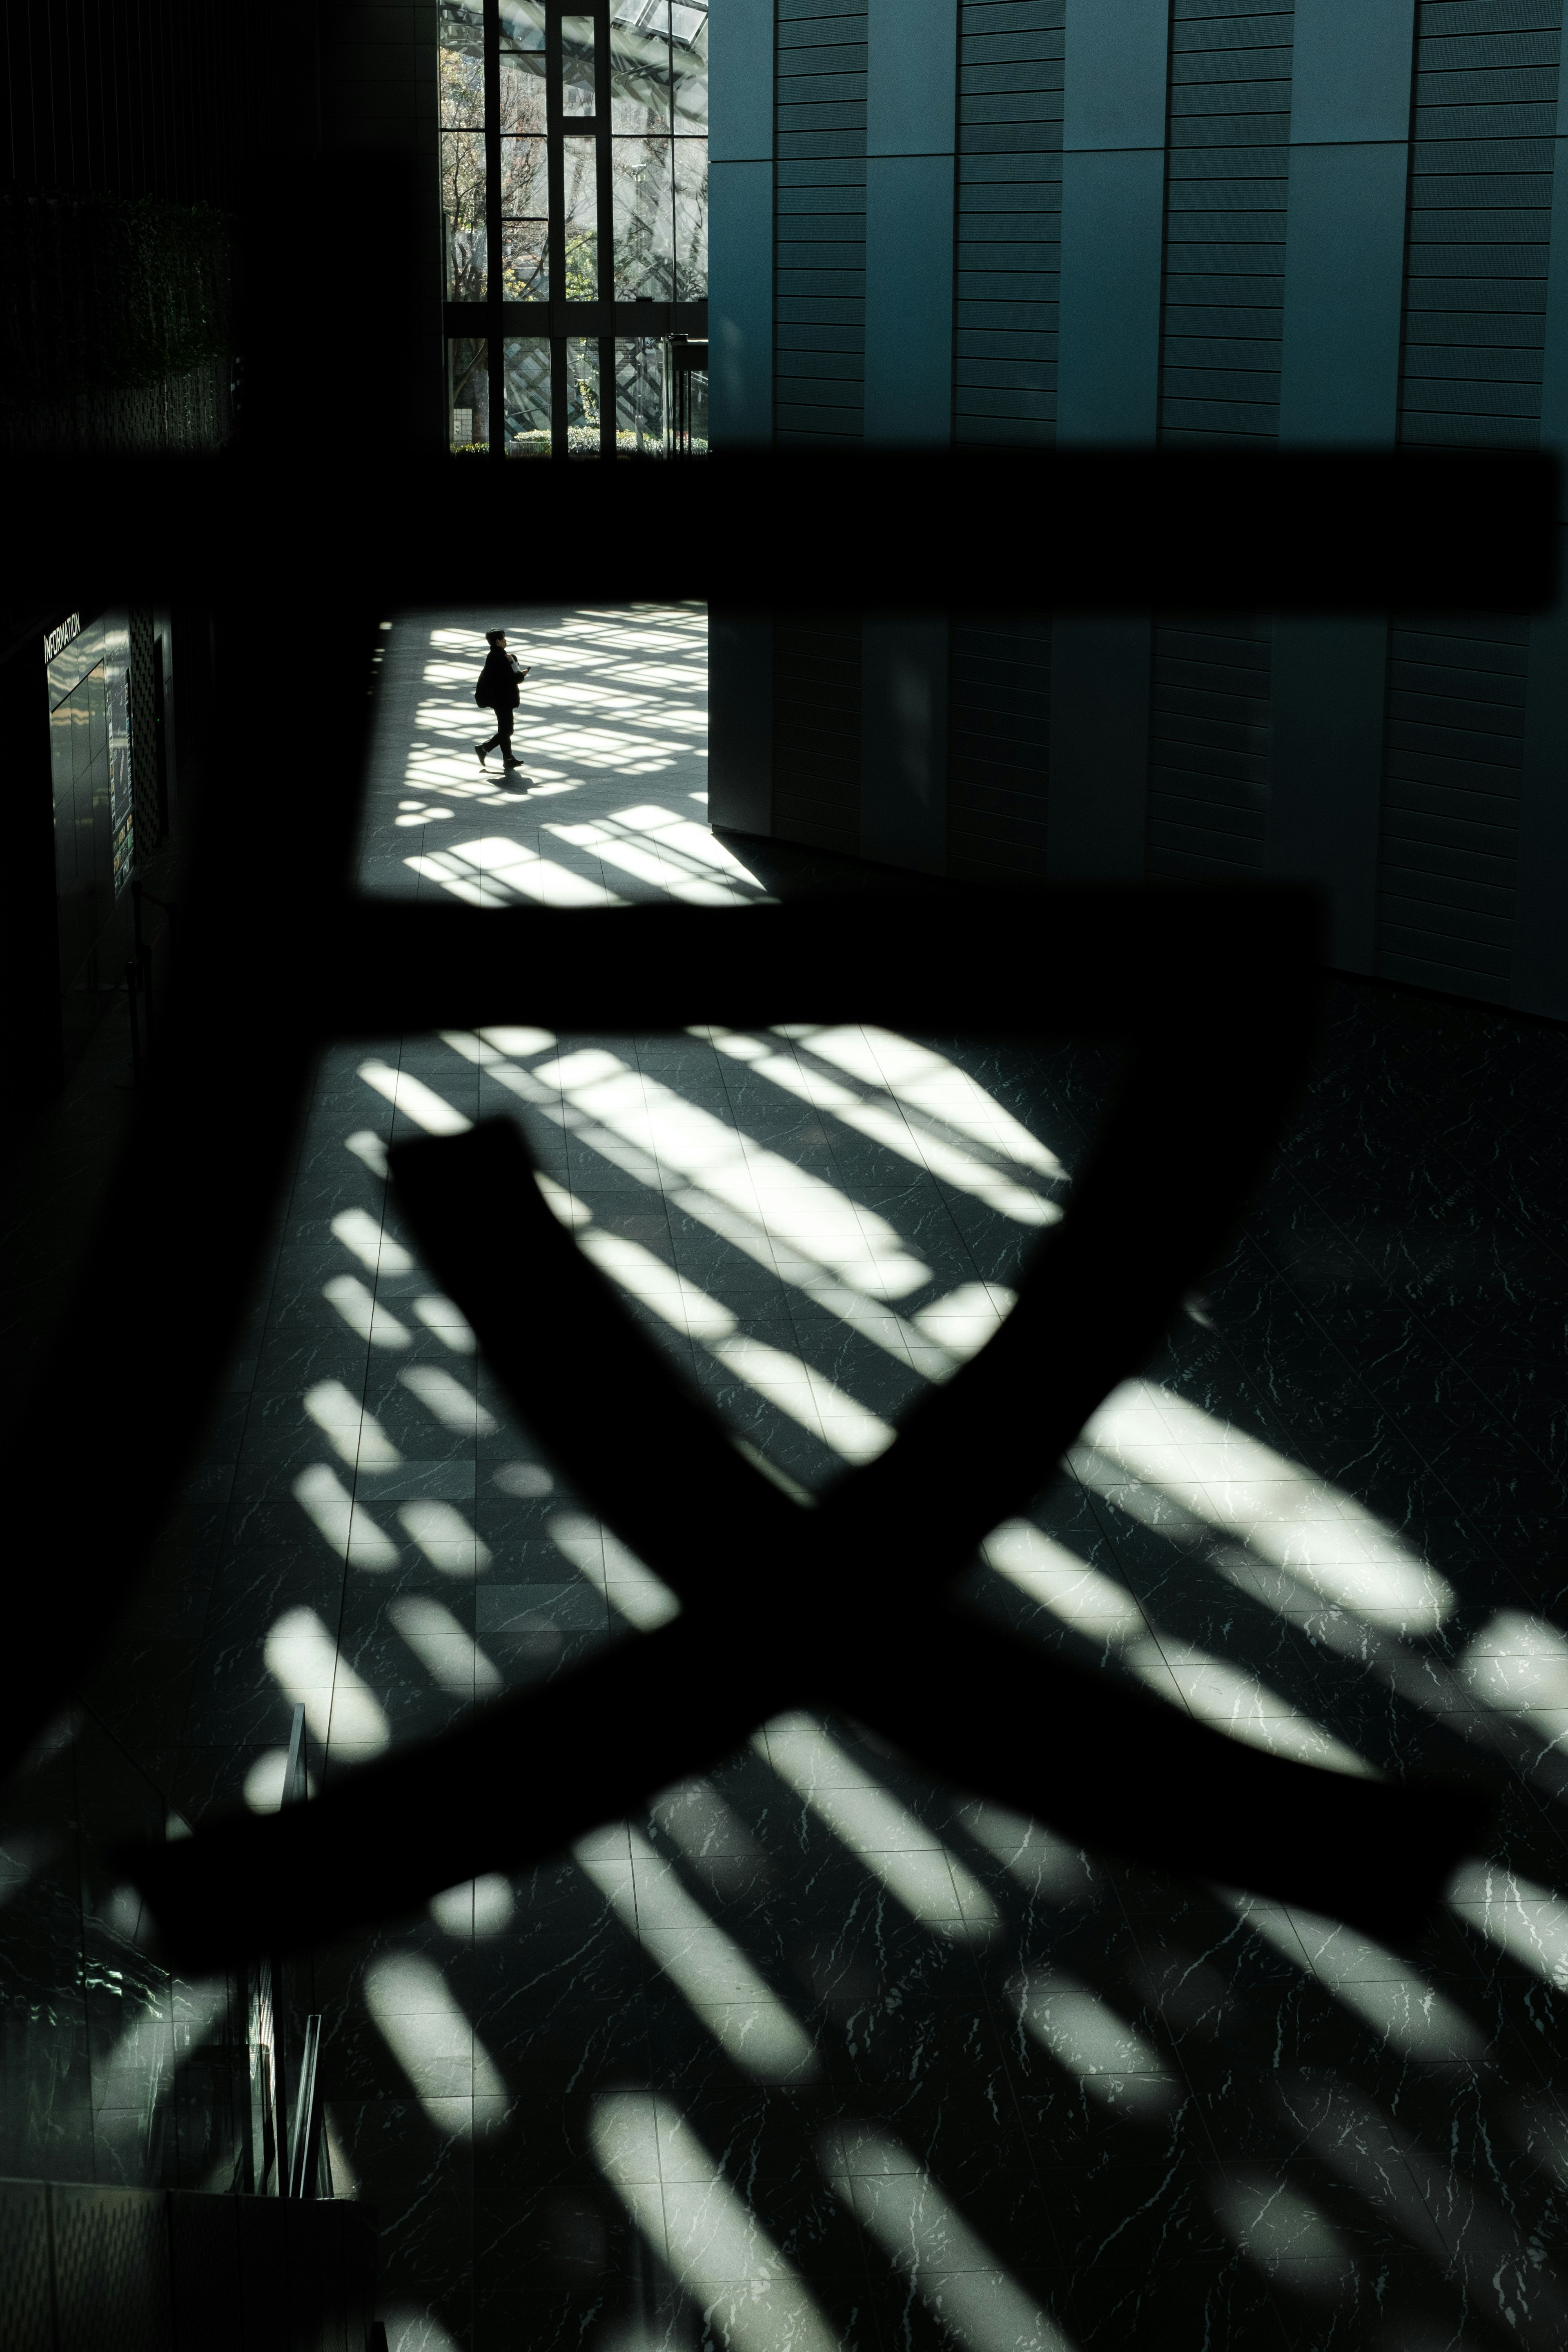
740,386
1339,384
1108,388
373,177
741,721
911,102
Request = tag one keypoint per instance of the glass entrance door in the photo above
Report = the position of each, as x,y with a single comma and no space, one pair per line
574,203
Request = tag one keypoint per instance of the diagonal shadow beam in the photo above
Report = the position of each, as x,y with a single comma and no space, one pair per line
1179,1151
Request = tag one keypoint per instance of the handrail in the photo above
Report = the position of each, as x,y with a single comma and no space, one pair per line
298,2151
274,2174
296,1786
307,2138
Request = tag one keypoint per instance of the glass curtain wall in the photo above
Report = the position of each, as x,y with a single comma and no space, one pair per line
574,209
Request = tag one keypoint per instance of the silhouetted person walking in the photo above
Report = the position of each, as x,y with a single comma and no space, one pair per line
499,687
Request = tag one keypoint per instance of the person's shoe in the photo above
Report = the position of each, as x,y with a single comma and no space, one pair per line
481,759
512,766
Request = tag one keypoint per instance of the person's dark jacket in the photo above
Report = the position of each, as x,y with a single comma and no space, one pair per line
498,684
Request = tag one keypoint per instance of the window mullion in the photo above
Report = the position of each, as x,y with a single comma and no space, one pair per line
493,284
604,160
556,165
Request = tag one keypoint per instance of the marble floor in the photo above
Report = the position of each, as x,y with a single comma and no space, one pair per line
818,2053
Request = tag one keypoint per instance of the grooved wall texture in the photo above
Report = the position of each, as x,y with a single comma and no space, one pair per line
1009,219
1475,321
819,391
1226,171
1483,119
1007,261
1228,165
819,295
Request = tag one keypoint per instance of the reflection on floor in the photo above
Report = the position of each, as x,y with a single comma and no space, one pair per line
817,2054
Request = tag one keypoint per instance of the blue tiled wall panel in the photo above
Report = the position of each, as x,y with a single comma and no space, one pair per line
1482,127
740,299
909,301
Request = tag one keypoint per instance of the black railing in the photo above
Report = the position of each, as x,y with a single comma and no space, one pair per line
281,2159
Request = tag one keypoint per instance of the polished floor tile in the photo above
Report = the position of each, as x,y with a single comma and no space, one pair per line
811,2051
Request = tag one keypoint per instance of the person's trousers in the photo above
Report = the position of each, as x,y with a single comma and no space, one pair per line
501,736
